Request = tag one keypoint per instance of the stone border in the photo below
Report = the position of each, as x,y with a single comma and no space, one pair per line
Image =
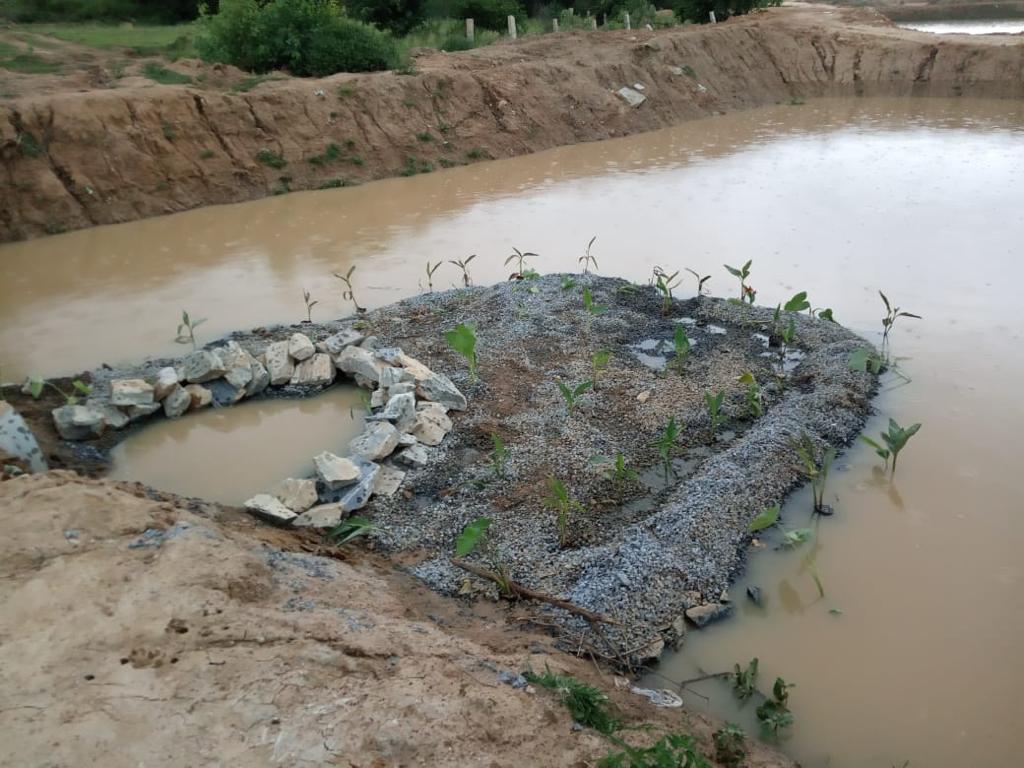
409,406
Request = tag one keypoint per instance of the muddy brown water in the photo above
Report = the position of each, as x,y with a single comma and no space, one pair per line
967,26
839,198
231,454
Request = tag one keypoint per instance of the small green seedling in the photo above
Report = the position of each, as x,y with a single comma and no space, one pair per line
730,745
187,329
568,283
665,283
34,386
788,335
349,529
892,314
572,394
824,314
754,397
588,258
896,438
349,294
774,714
463,264
431,269
476,536
713,404
598,363
462,339
310,303
744,680
866,360
701,279
681,348
520,258
666,443
562,503
621,475
499,456
742,273
590,306
765,519
814,471
798,303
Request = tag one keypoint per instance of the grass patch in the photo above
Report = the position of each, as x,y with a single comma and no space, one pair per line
672,750
207,154
271,159
414,166
477,154
161,74
29,64
169,132
28,145
175,40
425,136
587,705
337,184
7,50
330,155
251,82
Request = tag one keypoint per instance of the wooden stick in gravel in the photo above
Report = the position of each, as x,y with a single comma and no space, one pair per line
533,594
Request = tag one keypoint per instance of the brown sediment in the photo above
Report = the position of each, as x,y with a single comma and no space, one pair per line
124,153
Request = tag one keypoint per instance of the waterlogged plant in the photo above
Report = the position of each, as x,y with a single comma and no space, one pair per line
665,283
701,279
590,306
765,519
754,399
774,714
349,529
431,269
588,706
463,264
813,470
744,680
681,348
561,502
187,329
499,455
730,745
520,258
674,750
793,539
866,360
476,536
310,303
824,314
713,405
892,314
666,443
462,339
742,273
895,439
34,386
587,259
598,363
622,476
349,294
572,394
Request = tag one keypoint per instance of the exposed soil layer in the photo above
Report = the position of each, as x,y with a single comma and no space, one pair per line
137,630
74,159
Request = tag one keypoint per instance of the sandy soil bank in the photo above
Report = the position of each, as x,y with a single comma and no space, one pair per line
74,159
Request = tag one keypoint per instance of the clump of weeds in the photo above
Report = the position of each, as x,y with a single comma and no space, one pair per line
774,713
744,680
730,745
588,706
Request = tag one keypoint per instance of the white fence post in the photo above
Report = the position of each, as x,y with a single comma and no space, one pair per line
512,27
470,31
713,19
628,25
593,22
554,25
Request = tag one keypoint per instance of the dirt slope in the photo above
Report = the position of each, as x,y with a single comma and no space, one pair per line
75,159
135,632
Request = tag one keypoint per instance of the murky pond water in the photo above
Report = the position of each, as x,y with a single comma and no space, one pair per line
231,454
840,198
967,26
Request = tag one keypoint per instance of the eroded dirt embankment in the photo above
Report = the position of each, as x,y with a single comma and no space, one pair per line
72,160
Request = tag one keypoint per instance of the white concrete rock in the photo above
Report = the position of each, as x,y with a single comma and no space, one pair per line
432,423
300,347
201,366
17,440
79,422
296,494
136,412
200,396
114,416
125,392
390,376
632,97
260,379
414,457
333,345
377,441
278,363
317,370
166,379
320,516
356,360
177,402
334,471
388,481
269,508
439,388
400,411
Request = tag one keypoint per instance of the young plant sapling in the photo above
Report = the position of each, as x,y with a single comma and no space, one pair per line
561,502
587,259
742,273
754,397
349,529
499,455
462,339
892,314
895,439
349,294
713,404
431,269
310,303
520,258
701,279
666,443
463,264
572,394
665,283
681,348
476,536
187,329
814,471
598,364
590,306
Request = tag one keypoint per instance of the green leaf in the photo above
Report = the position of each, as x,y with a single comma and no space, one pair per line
798,303
471,535
826,314
463,340
795,538
733,271
350,529
879,449
859,359
765,519
581,388
81,387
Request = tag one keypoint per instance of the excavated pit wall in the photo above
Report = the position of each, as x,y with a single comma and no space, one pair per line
106,156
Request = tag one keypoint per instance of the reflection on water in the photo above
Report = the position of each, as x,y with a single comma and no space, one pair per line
231,454
839,198
967,27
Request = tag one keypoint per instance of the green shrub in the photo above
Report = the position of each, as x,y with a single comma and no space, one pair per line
105,10
306,37
398,16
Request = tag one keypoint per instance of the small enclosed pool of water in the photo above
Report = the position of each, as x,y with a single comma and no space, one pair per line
231,454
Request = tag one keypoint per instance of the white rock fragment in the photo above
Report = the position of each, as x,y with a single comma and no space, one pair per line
279,364
388,481
359,361
414,456
200,396
320,516
432,423
79,422
632,97
314,371
296,494
166,380
439,388
334,471
260,379
114,416
377,441
125,392
136,412
201,366
400,411
333,345
269,508
177,402
300,347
